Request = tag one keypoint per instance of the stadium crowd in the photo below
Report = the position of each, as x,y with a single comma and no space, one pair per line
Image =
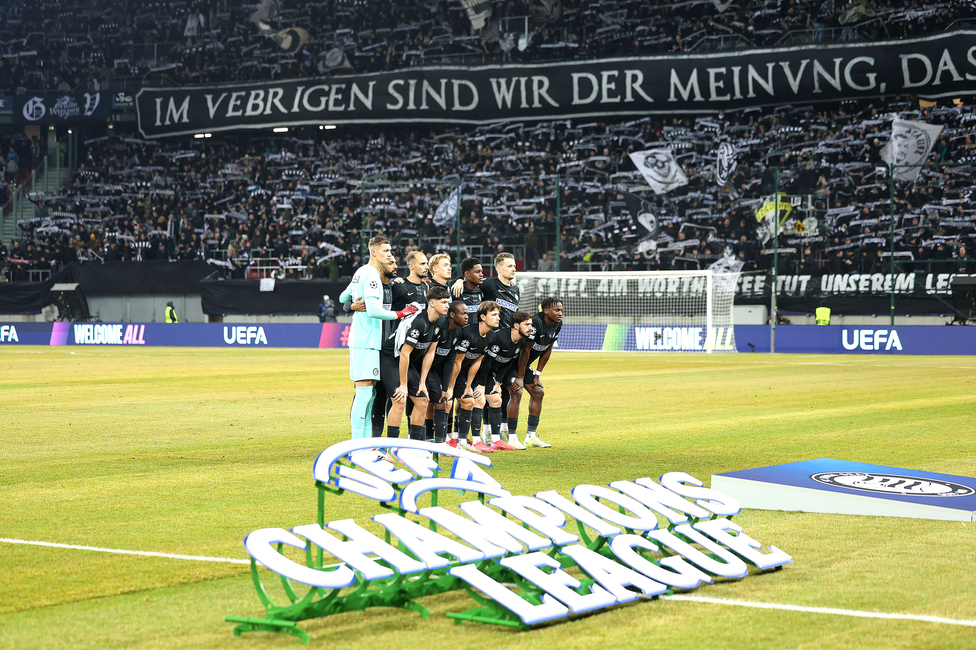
61,45
299,199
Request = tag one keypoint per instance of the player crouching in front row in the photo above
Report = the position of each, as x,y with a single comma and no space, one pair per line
504,349
465,386
415,355
546,326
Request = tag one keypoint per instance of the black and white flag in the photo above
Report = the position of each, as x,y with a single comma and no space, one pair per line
726,162
910,144
479,11
290,40
446,213
333,59
725,270
659,169
267,11
645,220
546,11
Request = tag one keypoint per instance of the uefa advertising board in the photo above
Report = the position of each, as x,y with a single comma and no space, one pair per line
809,339
632,539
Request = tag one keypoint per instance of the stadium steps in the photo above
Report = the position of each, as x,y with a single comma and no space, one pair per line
49,182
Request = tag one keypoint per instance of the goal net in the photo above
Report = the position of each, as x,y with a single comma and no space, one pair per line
653,311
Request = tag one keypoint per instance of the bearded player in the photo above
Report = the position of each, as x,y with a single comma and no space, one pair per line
546,326
505,349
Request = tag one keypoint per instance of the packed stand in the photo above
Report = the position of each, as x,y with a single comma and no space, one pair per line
57,45
233,200
19,155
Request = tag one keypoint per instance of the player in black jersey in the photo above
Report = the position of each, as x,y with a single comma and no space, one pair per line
413,290
546,326
439,270
415,347
502,288
465,385
439,376
468,287
414,287
504,349
439,275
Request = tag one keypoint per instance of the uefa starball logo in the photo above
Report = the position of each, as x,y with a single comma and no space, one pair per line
915,486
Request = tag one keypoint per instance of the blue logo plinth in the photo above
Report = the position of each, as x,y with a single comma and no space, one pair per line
846,487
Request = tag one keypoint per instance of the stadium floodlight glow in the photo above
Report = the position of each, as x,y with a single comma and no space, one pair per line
327,127
280,129
199,136
495,551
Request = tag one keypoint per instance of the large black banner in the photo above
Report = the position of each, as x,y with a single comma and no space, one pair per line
246,297
853,294
60,107
939,66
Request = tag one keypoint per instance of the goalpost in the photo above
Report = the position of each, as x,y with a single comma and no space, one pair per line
653,311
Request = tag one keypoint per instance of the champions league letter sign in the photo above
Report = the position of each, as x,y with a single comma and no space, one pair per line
509,552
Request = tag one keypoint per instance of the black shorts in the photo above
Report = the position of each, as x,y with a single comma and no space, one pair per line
462,380
438,380
413,383
436,384
390,376
529,377
485,376
507,374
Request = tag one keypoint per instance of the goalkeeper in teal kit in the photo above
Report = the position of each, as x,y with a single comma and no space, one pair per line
366,331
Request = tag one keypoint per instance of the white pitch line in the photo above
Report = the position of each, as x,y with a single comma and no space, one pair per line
694,599
824,610
122,551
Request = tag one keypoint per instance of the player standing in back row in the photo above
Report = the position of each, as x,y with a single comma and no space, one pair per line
366,331
503,290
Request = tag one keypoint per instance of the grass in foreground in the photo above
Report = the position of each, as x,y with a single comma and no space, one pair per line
187,450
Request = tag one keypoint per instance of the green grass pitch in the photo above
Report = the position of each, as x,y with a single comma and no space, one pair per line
185,451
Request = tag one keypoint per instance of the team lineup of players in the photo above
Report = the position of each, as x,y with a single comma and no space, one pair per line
420,344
